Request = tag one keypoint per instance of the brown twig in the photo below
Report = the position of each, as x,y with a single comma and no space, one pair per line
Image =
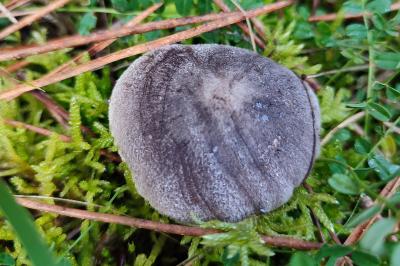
315,4
7,13
259,28
98,36
357,129
313,83
318,224
58,112
19,13
39,130
96,48
277,241
16,3
113,157
138,49
357,233
16,66
243,26
248,23
386,192
76,40
333,16
31,18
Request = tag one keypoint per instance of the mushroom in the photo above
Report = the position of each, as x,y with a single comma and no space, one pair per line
213,131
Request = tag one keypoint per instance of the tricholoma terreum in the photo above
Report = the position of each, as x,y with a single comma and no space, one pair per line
213,131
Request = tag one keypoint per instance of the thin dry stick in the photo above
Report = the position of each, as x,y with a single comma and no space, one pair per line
344,124
76,202
395,129
313,83
252,35
112,157
334,71
245,29
76,40
39,130
359,231
253,43
315,4
31,18
8,14
96,48
258,26
57,111
277,241
390,188
357,128
16,3
102,35
16,66
19,13
333,16
138,49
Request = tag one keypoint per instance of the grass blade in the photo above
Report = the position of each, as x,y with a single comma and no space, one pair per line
25,229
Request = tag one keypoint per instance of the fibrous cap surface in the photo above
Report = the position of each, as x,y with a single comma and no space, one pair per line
213,131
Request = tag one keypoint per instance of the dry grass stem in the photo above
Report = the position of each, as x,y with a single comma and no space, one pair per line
16,14
388,191
358,232
333,16
8,14
250,30
77,40
39,130
395,129
276,241
138,49
16,66
96,48
344,124
16,3
58,112
241,25
31,18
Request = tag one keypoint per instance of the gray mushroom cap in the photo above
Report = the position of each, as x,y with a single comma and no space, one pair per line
213,131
